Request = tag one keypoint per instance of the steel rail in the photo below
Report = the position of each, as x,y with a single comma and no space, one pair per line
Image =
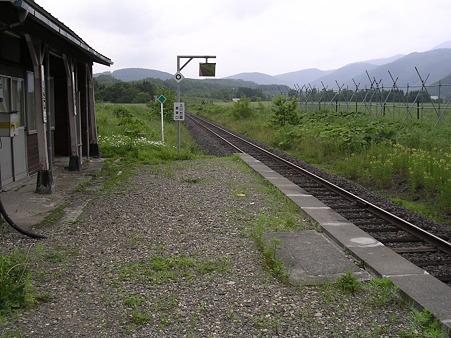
197,119
438,242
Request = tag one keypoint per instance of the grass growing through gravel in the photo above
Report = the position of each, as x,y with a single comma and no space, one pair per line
160,269
157,270
285,214
16,290
425,323
382,293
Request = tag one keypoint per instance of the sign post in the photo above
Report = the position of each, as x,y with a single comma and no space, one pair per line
179,107
162,100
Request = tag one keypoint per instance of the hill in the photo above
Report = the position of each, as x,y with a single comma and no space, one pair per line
441,88
105,78
136,74
432,65
259,78
304,76
314,75
446,44
343,76
383,61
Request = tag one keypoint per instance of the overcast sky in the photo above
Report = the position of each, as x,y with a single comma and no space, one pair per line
266,36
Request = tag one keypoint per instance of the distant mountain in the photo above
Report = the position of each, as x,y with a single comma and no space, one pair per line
383,61
446,44
432,66
301,77
289,79
259,78
435,63
441,88
343,76
314,75
136,74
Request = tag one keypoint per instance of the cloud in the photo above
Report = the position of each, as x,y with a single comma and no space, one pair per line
266,36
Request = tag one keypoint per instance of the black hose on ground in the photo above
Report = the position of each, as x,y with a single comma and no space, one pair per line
16,227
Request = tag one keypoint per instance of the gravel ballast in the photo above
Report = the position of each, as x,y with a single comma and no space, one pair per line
171,254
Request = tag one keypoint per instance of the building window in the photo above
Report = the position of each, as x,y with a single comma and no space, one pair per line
5,97
30,99
17,99
12,97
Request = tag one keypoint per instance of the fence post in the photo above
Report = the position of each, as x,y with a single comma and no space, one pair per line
407,101
439,98
418,109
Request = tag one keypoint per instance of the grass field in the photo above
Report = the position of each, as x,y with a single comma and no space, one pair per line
399,111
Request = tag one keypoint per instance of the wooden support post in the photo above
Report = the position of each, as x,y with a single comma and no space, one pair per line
45,183
74,160
94,150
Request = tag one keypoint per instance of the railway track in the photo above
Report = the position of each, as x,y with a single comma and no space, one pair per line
429,251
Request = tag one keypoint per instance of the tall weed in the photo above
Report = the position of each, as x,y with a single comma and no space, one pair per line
417,170
15,282
242,109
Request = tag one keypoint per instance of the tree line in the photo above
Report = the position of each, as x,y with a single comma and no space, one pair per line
108,89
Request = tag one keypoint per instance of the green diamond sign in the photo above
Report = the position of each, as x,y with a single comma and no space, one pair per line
161,99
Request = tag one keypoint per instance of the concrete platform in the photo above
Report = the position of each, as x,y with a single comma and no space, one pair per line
421,290
28,208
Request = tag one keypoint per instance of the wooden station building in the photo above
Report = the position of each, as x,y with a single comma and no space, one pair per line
46,94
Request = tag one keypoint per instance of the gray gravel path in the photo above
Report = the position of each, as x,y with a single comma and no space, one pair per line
171,254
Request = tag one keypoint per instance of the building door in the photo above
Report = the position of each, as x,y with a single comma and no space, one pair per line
19,141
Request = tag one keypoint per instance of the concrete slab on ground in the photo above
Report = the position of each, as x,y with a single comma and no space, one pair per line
28,208
310,257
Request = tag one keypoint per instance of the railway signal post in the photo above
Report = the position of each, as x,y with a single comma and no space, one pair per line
205,69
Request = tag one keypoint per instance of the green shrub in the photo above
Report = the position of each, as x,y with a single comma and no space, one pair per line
168,105
242,109
285,111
